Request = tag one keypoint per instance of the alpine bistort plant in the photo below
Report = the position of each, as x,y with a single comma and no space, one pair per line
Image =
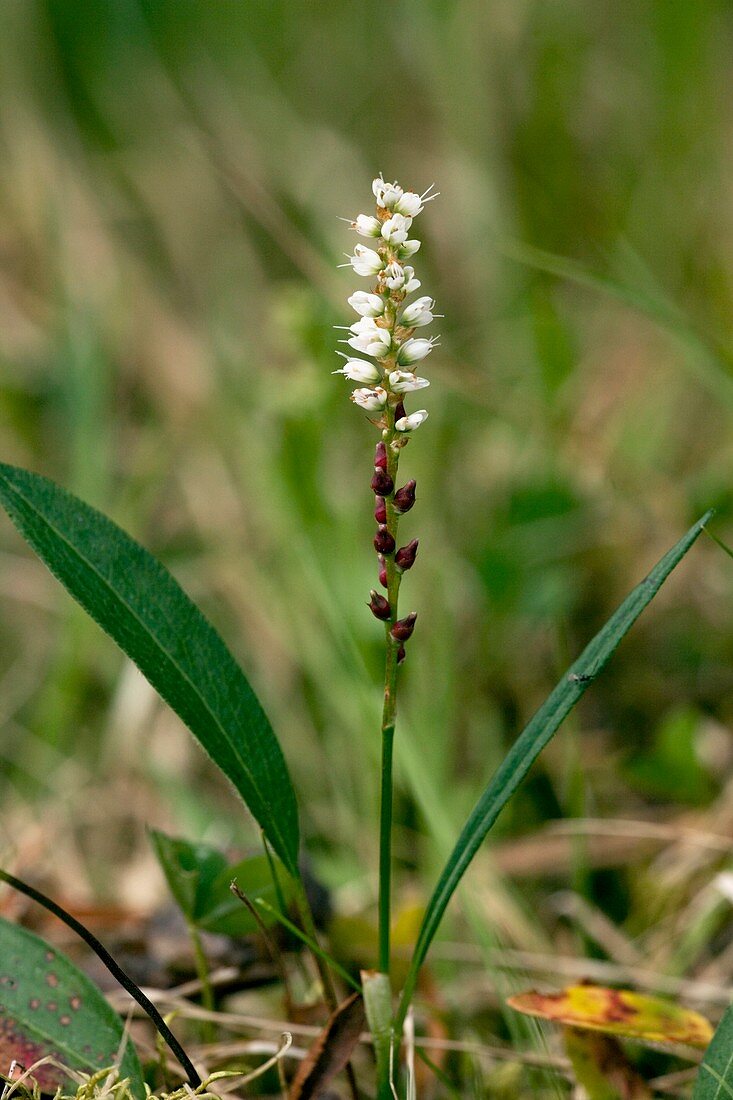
385,331
142,607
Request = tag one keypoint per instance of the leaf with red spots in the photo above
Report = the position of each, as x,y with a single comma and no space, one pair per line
618,1012
48,1007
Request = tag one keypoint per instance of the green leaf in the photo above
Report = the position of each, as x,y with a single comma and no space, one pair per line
48,1007
190,870
136,600
714,1080
199,878
536,734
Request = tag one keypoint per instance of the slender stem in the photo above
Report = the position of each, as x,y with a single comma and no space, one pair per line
306,919
329,990
389,712
202,970
274,875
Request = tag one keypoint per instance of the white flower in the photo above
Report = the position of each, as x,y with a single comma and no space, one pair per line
366,261
411,283
394,276
402,381
408,204
408,249
419,313
396,228
371,400
367,226
359,370
414,350
414,420
397,277
366,305
369,338
386,194
411,204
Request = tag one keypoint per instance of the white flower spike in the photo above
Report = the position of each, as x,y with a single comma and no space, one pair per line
383,332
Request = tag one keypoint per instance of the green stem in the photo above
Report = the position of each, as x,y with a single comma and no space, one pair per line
306,920
389,714
208,1033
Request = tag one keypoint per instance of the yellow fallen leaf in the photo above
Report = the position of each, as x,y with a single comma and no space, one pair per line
617,1012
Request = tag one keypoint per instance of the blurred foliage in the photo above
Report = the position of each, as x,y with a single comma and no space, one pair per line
173,175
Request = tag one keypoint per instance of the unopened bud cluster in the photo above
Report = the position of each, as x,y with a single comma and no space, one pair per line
385,333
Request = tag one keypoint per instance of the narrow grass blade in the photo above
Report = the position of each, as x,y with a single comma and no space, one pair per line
136,600
530,743
714,1080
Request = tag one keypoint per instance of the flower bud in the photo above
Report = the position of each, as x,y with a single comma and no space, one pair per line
382,483
405,556
403,628
399,411
378,606
380,456
384,543
411,422
380,510
404,498
383,572
401,655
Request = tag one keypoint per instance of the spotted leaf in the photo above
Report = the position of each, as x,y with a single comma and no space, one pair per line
48,1007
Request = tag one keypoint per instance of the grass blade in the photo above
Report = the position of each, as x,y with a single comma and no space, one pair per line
137,601
536,734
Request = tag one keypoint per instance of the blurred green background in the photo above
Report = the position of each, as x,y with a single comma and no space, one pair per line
172,178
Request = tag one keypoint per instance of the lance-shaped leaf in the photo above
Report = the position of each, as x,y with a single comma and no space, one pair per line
714,1080
530,743
48,1007
137,601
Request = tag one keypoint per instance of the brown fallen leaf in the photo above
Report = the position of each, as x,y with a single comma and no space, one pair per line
331,1051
